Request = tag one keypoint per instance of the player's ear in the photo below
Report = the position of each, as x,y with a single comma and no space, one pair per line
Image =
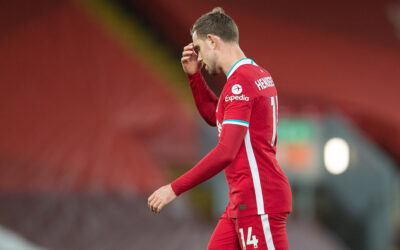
212,40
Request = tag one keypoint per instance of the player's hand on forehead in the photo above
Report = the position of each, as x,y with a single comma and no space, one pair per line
188,50
190,59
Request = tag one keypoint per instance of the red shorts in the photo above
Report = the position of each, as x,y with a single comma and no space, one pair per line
263,232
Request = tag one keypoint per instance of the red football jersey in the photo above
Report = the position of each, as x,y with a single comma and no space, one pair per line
256,182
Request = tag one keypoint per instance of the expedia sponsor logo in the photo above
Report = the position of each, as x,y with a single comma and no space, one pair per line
236,98
237,89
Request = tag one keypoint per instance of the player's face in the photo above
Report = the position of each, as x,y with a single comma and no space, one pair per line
205,53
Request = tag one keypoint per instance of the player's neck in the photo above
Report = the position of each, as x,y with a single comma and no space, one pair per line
232,54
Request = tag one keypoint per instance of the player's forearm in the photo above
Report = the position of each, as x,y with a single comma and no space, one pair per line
208,167
205,99
214,162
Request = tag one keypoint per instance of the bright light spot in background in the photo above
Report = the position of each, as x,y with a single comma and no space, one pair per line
336,155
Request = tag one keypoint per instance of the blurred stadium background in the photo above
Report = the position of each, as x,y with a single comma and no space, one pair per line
95,113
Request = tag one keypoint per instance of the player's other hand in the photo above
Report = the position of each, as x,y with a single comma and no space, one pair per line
189,60
160,198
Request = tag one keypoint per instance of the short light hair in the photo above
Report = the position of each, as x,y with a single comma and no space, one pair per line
218,23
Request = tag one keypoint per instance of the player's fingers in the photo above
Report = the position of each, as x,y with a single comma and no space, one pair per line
185,58
154,200
160,207
155,206
151,198
150,204
187,53
188,47
152,208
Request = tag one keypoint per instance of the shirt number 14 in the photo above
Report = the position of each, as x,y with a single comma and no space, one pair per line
251,239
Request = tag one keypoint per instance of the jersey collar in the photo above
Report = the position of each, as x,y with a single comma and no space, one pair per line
237,64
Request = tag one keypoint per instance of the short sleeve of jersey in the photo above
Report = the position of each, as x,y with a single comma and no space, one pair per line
238,103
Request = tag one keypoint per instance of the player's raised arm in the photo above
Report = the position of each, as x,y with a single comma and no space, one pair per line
206,101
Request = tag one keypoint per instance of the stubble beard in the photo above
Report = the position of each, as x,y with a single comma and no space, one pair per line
211,69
